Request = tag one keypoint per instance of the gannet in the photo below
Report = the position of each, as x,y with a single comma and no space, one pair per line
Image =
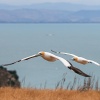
51,58
78,59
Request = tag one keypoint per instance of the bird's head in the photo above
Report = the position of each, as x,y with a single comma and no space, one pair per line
41,53
74,58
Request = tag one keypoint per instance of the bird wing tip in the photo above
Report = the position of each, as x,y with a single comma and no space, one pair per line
78,71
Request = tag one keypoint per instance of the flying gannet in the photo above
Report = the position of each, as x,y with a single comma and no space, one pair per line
51,58
78,59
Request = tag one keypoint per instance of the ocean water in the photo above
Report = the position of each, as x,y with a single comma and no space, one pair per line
21,40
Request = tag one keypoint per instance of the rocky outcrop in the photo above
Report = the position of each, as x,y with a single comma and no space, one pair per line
8,78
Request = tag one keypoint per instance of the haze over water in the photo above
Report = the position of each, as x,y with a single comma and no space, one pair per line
21,40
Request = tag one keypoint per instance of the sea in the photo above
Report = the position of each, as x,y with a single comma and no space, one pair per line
19,40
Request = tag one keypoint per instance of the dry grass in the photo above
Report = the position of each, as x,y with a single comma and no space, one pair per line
9,93
89,90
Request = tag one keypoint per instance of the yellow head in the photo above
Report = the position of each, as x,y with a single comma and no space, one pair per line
41,53
75,58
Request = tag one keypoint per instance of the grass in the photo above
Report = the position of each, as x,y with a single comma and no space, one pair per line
9,93
89,90
90,83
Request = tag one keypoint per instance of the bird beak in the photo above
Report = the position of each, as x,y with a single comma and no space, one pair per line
37,55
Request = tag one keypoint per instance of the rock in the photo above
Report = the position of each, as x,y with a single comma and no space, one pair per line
8,78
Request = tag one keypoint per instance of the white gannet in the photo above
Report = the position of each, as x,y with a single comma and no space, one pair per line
51,57
78,59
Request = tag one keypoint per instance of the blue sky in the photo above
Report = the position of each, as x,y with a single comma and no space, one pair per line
24,2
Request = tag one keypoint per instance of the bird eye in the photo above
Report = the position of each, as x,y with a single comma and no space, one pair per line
39,53
73,58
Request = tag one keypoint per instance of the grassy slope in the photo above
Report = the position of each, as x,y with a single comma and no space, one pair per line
46,94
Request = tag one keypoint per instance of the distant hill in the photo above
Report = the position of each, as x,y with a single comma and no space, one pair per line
49,12
52,6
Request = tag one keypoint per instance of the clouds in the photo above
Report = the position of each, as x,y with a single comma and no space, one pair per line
27,2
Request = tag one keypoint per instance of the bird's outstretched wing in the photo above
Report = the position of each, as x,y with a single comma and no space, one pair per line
78,71
91,61
9,63
65,53
70,66
26,58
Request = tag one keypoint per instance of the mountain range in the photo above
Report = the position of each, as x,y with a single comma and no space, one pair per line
49,13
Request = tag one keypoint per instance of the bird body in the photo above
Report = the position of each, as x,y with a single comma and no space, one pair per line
80,60
48,56
51,58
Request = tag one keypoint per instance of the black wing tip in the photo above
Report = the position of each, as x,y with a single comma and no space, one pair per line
55,51
2,65
86,75
78,71
9,63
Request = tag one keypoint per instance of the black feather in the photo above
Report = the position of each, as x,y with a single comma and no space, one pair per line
78,71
